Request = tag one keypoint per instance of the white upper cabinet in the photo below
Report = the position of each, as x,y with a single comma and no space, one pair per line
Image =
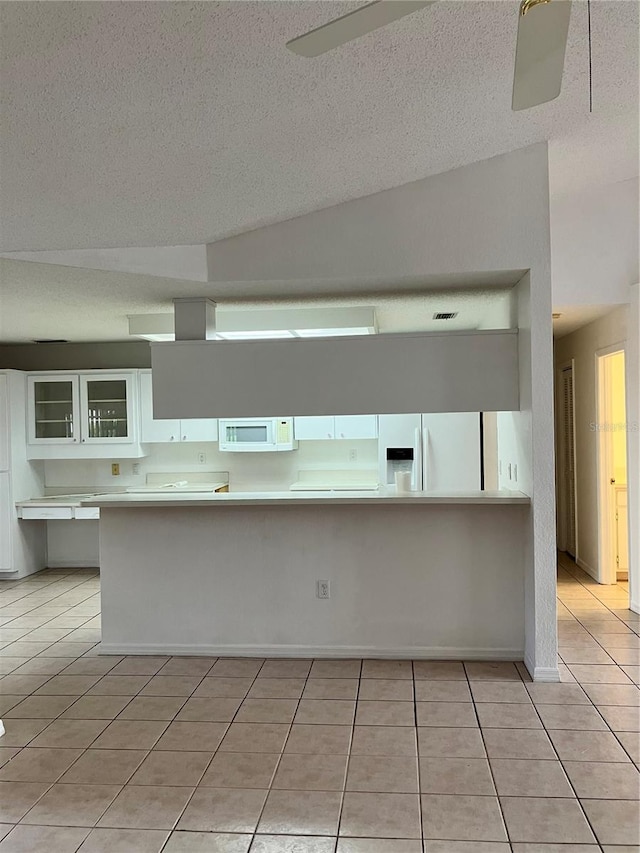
164,431
53,409
342,426
313,428
356,426
89,414
152,430
106,408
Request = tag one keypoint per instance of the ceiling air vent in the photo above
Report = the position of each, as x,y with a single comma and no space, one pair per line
445,315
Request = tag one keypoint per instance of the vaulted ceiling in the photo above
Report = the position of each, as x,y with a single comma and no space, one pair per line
150,124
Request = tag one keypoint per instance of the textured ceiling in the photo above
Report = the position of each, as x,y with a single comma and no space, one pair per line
46,301
145,124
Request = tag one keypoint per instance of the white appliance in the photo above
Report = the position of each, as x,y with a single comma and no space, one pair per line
441,451
256,435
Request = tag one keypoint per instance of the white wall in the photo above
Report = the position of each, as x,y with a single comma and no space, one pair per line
376,374
582,346
491,215
458,596
594,245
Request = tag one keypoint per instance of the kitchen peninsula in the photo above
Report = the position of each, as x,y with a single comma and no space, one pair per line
412,575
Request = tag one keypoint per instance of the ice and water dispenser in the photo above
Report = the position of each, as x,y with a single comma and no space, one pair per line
400,462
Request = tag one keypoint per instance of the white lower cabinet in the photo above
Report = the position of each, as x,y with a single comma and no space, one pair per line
340,426
6,522
156,431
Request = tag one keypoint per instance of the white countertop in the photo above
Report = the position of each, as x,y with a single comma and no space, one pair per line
58,500
185,499
75,500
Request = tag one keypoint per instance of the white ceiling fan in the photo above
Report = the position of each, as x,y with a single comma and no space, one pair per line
542,38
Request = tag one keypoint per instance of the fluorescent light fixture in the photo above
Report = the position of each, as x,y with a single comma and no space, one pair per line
332,333
255,335
235,324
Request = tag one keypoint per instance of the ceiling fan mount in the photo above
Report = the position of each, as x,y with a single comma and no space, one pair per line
543,26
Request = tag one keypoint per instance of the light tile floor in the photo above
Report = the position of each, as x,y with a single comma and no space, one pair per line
198,755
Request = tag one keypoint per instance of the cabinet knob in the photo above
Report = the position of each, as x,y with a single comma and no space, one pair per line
171,439
184,437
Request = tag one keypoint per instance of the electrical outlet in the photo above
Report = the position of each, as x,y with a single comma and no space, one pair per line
135,468
202,458
323,589
353,455
115,469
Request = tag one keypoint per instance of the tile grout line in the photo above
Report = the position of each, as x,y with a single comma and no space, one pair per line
349,754
484,744
284,743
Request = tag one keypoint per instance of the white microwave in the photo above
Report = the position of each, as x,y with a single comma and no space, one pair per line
256,435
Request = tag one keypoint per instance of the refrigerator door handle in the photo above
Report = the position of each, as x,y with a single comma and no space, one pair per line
416,473
425,454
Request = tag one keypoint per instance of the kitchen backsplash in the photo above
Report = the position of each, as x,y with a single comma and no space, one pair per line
247,471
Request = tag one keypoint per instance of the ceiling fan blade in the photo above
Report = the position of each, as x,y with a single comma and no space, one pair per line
353,25
542,38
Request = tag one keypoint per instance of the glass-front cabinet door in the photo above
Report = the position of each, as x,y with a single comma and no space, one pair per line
106,407
53,410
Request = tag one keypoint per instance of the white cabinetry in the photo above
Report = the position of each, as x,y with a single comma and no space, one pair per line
356,426
313,429
87,414
341,426
153,430
22,549
5,522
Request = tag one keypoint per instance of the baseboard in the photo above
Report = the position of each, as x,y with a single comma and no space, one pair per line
635,606
72,564
587,568
542,673
275,651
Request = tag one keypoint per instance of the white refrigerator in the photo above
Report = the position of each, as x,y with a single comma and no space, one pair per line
443,451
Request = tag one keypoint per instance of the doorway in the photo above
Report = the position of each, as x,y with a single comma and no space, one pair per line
612,466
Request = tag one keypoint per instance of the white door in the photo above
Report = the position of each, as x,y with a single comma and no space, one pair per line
313,428
568,462
106,406
356,426
53,409
6,520
4,424
153,430
451,451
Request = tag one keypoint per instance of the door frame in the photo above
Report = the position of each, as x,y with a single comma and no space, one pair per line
562,526
607,573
